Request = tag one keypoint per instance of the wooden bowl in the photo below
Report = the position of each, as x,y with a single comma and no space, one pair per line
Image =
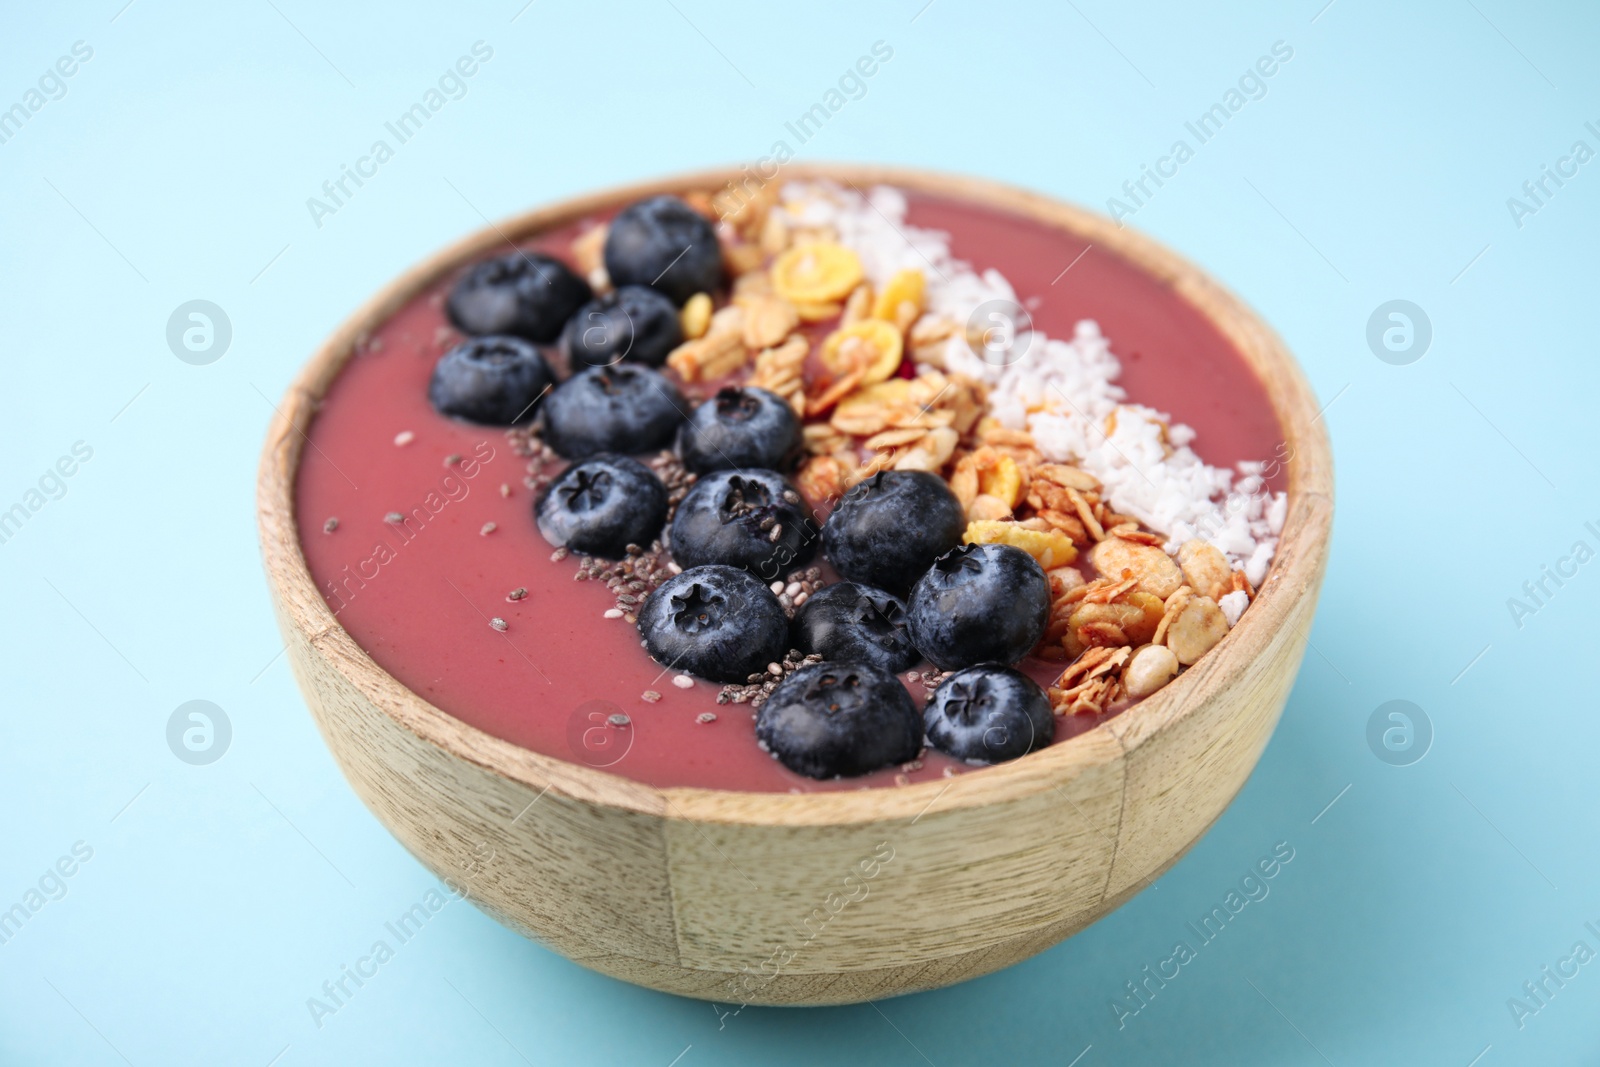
824,898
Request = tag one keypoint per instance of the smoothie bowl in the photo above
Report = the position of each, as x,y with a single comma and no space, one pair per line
798,592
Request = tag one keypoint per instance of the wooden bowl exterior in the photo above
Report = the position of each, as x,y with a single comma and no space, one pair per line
822,898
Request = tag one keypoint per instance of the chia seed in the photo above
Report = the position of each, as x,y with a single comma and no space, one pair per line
525,441
760,686
331,525
670,469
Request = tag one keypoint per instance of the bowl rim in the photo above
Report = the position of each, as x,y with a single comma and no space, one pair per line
1297,568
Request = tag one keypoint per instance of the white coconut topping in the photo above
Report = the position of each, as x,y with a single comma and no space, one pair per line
1063,391
1233,605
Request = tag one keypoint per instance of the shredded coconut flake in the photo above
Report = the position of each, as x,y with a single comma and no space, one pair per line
1063,391
1233,606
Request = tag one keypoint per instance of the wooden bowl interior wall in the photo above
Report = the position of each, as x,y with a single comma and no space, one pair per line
830,897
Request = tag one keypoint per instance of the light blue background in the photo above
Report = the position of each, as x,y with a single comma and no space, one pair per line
1378,166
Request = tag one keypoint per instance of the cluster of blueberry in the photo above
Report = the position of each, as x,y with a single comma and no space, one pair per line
658,253
912,590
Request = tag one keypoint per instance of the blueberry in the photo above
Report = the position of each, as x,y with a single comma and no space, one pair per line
719,623
751,519
524,293
888,529
491,380
746,427
979,604
612,409
633,323
989,714
601,506
836,720
850,623
664,243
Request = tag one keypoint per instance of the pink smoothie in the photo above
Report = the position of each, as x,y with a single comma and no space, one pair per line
419,596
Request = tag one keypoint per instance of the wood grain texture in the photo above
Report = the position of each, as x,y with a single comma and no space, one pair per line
829,898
